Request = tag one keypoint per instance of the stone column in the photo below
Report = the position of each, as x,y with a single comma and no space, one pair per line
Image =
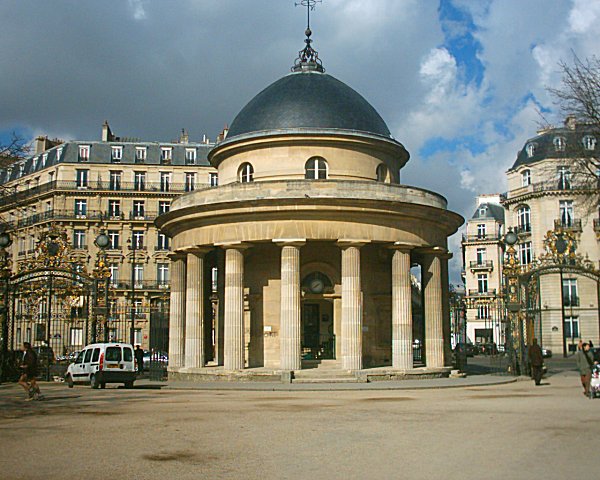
234,308
220,320
402,324
194,307
351,306
446,308
289,323
177,315
434,334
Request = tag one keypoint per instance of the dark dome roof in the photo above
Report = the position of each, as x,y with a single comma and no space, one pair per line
308,101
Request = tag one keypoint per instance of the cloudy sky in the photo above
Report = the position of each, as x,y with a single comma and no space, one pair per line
459,82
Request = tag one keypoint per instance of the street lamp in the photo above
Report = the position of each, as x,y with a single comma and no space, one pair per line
560,245
101,271
133,245
510,272
5,272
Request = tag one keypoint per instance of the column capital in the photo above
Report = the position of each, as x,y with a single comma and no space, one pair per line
234,245
403,247
289,242
199,250
352,242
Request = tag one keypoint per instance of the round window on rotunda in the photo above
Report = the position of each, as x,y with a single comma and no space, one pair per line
246,173
315,169
382,173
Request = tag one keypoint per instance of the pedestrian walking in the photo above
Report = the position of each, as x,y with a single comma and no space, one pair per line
29,366
537,361
139,359
584,365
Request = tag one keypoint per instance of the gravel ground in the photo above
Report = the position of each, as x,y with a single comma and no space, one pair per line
488,432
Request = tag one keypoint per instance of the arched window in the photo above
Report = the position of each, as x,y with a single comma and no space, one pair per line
246,173
559,144
315,169
530,149
589,142
526,178
382,173
524,218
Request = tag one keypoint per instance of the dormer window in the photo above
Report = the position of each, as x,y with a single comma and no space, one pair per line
140,154
59,152
190,156
44,159
526,178
315,169
482,211
35,162
589,142
21,169
246,173
84,153
559,144
116,154
166,154
530,149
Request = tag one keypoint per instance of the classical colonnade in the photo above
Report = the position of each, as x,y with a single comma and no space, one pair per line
186,323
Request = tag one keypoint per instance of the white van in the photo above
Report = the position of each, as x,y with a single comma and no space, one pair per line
101,363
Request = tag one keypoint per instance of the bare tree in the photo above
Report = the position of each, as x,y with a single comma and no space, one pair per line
12,150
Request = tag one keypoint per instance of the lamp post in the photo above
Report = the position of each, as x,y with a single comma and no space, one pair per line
510,273
561,247
5,272
133,246
100,271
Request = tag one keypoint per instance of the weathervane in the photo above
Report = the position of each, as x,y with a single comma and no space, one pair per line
308,57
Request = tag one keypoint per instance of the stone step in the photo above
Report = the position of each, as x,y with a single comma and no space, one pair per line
327,380
319,373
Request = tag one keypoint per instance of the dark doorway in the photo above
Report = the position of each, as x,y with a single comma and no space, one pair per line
318,340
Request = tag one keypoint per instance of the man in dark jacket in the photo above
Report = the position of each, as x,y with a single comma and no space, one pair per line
29,366
139,359
537,361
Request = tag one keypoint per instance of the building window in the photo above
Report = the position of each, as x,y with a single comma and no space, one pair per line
570,297
79,239
139,181
213,179
165,181
138,239
59,152
166,155
482,283
525,255
163,207
140,154
190,156
162,242
76,336
116,154
382,173
316,169
524,219
482,211
481,253
483,312
559,144
246,173
138,208
566,213
114,208
84,153
563,175
114,274
113,239
571,327
162,274
481,230
526,178
115,180
138,275
530,149
589,142
190,181
82,178
80,207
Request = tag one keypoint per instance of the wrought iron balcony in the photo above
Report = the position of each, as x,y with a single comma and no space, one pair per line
481,237
141,285
143,216
483,265
488,293
523,229
571,224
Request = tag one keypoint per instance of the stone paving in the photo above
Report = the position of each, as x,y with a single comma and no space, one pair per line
490,431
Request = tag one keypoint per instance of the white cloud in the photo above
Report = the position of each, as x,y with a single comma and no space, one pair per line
584,16
137,8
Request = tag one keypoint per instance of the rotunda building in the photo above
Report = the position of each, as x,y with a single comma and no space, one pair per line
313,238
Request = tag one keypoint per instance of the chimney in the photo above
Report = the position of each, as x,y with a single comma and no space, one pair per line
571,122
107,135
41,144
184,137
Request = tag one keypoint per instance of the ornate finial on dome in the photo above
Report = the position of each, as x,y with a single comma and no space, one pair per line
308,57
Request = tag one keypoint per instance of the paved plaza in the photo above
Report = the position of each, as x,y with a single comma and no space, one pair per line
511,430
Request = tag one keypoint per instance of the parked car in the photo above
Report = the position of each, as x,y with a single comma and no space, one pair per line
468,348
45,355
489,348
155,357
102,363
